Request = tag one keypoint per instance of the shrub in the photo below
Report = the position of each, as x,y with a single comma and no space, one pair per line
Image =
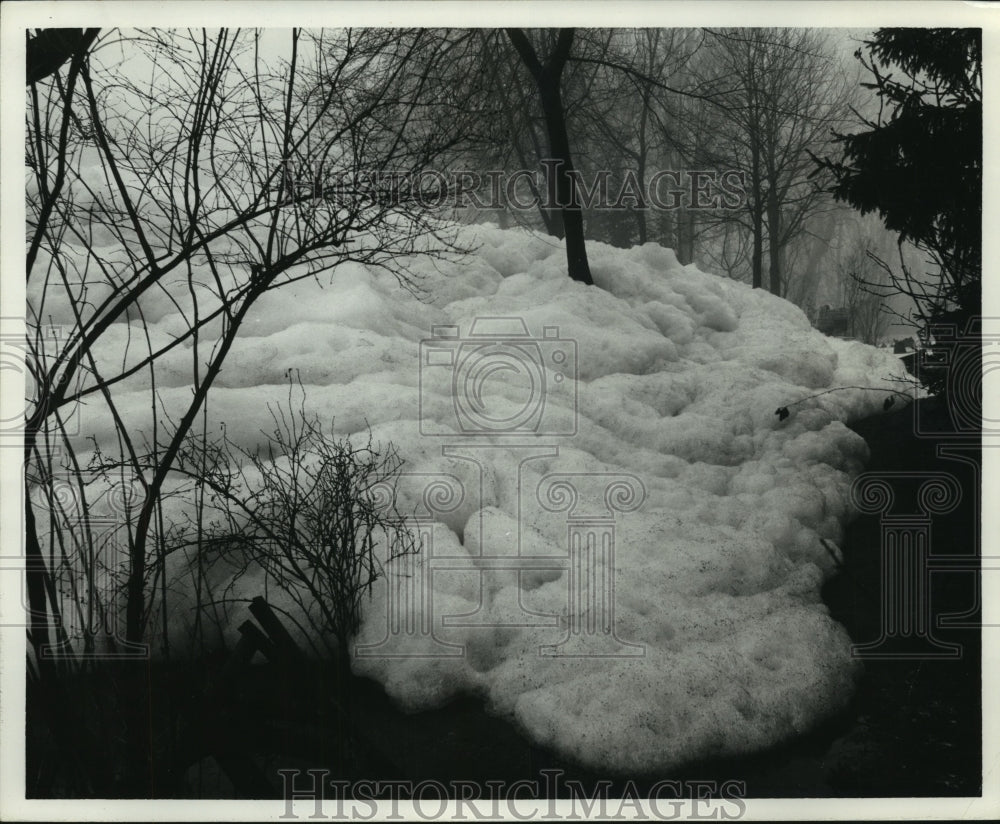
315,513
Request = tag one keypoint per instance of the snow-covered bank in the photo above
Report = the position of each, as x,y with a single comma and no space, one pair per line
638,414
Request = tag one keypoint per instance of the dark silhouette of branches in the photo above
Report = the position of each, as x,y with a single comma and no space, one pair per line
187,188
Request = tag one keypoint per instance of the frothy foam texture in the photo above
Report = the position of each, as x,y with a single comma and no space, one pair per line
705,563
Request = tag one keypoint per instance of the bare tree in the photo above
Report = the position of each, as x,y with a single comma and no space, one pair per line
785,91
628,124
321,522
864,288
512,129
180,183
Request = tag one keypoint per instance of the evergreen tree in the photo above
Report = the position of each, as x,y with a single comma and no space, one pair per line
919,163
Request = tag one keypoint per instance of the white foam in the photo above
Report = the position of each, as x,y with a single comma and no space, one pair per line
678,374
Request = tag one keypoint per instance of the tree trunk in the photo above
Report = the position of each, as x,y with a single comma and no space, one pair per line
36,574
758,249
774,241
548,78
685,237
640,214
566,198
640,220
757,218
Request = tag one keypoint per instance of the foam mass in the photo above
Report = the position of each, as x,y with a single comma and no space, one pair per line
672,385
